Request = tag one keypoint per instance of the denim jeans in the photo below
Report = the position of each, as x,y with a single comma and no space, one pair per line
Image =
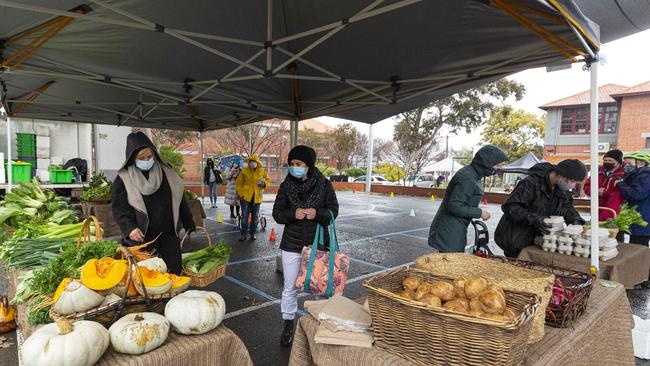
253,209
212,192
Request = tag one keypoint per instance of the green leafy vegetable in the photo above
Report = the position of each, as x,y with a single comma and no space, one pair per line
189,195
99,188
623,221
206,259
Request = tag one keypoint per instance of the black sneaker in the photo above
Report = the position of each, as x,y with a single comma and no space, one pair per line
287,334
243,237
253,237
232,216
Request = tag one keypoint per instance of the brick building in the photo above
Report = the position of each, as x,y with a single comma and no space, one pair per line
623,122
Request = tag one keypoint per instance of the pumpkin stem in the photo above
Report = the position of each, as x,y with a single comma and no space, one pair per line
139,318
65,326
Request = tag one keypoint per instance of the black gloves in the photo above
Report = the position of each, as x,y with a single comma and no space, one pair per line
541,226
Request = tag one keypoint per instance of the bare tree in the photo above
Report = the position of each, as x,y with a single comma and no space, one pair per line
172,137
258,138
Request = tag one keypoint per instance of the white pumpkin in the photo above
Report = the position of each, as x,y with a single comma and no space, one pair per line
195,311
65,344
72,297
154,264
139,333
111,298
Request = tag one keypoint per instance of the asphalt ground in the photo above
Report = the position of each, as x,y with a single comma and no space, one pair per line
377,232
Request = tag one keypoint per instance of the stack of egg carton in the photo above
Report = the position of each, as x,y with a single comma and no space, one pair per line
567,239
550,240
607,246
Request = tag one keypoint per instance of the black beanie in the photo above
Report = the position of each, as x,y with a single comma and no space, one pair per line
616,155
572,169
303,153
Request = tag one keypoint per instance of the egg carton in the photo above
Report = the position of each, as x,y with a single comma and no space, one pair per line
554,220
602,233
552,248
608,254
565,249
583,242
608,244
565,240
573,230
581,252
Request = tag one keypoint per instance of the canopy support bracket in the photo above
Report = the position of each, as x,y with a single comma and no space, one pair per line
31,96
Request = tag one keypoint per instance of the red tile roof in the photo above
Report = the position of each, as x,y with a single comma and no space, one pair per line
604,93
643,88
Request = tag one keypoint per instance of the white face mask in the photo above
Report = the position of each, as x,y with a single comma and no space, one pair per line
253,165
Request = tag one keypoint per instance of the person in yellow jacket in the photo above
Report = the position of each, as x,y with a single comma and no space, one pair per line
250,185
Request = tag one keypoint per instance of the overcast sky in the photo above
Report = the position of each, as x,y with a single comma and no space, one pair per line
625,64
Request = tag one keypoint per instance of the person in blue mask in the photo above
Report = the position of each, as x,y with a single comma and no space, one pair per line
635,188
148,204
304,199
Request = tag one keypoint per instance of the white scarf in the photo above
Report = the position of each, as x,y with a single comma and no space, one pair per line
146,186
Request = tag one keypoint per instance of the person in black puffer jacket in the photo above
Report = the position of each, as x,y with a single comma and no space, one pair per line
304,200
545,192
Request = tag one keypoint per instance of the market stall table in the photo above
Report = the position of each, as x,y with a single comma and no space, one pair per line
218,347
602,336
630,267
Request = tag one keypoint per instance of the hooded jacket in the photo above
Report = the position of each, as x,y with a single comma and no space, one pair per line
636,191
448,231
247,182
532,199
611,196
128,205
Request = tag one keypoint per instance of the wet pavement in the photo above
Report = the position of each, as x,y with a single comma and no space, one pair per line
375,231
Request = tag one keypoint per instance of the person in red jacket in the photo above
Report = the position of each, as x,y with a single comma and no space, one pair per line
608,195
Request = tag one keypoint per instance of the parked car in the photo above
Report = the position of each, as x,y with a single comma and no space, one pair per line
375,179
421,180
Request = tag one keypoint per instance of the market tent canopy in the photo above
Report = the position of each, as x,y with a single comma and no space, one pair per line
521,165
447,165
201,65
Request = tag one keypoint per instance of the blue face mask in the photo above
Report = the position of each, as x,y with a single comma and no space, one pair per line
145,164
491,171
629,169
297,171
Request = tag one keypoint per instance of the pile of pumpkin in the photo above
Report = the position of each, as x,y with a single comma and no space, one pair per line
104,281
83,342
475,296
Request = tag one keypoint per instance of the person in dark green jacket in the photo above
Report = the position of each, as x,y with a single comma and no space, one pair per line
448,231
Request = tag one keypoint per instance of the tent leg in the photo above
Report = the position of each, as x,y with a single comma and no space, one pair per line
201,164
370,153
9,162
293,132
593,111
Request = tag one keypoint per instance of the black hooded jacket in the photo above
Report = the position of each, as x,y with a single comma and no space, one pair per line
533,199
159,218
300,233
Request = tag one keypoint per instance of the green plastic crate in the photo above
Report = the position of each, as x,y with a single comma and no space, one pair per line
29,151
20,172
26,138
60,176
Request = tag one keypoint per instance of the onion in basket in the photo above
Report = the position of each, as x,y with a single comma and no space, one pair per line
443,290
411,283
474,286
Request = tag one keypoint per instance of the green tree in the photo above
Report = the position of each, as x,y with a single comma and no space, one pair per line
355,172
172,137
415,133
515,131
313,138
174,158
326,170
466,154
343,143
390,171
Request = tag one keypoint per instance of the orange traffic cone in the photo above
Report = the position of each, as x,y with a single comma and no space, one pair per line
272,236
485,202
354,191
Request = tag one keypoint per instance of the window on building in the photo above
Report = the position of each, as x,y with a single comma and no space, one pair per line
265,162
577,121
647,142
274,164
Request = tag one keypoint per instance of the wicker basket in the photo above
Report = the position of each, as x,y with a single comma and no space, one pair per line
437,336
507,276
575,287
206,279
108,314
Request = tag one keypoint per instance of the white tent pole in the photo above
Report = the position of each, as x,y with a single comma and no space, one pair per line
201,164
370,153
9,162
593,114
293,132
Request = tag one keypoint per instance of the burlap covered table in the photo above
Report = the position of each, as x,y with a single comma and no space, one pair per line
218,347
630,267
602,336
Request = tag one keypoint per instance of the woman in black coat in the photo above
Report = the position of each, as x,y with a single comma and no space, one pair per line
212,178
148,202
304,200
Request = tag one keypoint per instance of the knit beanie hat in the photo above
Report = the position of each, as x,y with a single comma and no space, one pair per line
572,169
616,155
303,153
